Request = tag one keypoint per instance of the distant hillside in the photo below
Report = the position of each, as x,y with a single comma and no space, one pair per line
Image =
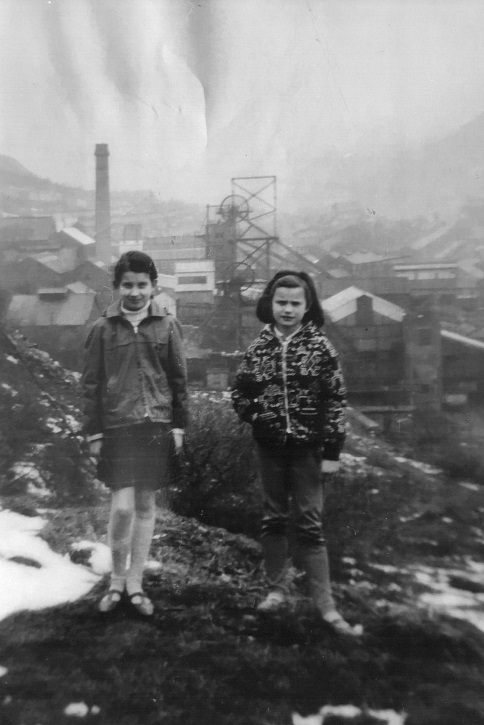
10,168
13,174
397,180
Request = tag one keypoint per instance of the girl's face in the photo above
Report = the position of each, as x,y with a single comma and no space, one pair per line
288,308
136,289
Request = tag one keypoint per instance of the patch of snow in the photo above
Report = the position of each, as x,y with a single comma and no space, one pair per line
9,389
100,558
24,469
12,359
447,520
455,602
374,491
413,517
387,568
3,671
95,710
41,491
55,582
349,560
53,425
350,459
152,566
76,709
477,566
74,424
350,712
470,486
420,465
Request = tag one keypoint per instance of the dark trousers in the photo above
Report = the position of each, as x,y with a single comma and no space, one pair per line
292,485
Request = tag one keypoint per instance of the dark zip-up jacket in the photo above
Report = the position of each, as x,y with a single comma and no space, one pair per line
293,392
132,377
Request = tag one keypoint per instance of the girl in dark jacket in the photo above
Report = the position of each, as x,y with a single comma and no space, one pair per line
135,405
290,389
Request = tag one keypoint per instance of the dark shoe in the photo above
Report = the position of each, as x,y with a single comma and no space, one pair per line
141,603
110,601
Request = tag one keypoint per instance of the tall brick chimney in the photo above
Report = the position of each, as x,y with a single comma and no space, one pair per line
103,210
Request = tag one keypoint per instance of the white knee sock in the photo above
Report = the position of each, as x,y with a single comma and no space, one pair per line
120,524
140,547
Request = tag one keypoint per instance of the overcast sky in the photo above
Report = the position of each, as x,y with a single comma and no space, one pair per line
188,93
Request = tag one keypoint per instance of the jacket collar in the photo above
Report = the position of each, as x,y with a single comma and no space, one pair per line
154,310
309,328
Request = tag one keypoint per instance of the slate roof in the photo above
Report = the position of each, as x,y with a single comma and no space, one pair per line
70,310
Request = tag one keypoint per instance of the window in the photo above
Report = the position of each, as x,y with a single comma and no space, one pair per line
193,279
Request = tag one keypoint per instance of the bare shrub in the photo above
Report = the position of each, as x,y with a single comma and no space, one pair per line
216,482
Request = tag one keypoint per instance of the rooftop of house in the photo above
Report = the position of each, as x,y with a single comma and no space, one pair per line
424,265
462,339
26,229
75,234
363,257
424,241
50,260
68,309
344,303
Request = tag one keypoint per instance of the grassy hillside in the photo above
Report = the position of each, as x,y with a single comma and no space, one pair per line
406,544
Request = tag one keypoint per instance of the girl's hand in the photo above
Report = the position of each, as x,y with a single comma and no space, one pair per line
95,448
329,466
178,437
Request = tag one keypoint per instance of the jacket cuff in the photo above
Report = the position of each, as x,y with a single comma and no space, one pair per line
95,437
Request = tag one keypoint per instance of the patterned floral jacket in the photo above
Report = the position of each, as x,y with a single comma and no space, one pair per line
293,391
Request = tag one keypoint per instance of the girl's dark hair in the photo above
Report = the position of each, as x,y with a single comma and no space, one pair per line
137,262
289,278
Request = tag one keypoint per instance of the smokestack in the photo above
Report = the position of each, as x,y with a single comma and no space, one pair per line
103,210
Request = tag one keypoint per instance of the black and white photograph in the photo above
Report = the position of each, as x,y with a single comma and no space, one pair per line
242,362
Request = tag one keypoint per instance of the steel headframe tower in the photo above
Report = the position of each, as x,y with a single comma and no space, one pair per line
239,234
241,230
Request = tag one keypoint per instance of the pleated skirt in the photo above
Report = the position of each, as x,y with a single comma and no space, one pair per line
137,456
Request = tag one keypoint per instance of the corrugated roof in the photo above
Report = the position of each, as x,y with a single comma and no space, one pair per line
462,339
78,236
29,310
343,304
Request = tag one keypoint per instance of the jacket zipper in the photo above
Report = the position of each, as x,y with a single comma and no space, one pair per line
138,365
285,344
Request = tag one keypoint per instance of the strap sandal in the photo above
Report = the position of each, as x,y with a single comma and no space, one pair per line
110,601
141,603
340,626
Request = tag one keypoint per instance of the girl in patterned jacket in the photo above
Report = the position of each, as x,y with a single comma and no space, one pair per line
290,389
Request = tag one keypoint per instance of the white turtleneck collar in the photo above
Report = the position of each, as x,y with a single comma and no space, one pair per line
135,316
